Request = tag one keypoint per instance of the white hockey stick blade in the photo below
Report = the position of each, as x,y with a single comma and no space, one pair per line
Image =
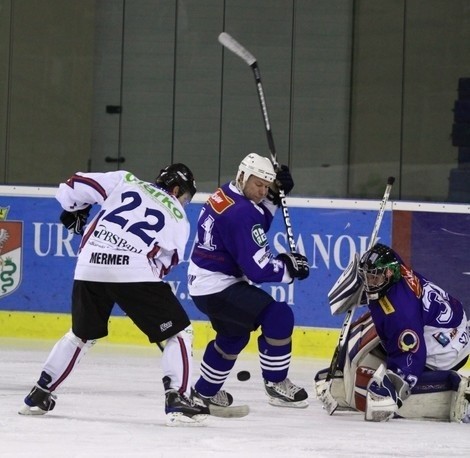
230,411
330,404
231,44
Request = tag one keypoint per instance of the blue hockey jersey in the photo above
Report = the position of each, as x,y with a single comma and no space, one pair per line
231,244
420,325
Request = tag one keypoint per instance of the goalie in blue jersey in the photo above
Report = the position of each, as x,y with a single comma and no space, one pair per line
404,353
231,252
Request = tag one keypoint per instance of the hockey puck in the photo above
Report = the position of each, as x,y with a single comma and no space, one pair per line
243,376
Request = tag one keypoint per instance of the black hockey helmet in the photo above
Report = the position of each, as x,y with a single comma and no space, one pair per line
379,268
177,175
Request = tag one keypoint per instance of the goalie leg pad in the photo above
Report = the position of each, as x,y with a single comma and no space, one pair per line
364,375
331,393
460,405
438,395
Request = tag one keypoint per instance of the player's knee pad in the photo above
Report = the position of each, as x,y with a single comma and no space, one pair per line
230,346
65,355
277,320
83,344
187,334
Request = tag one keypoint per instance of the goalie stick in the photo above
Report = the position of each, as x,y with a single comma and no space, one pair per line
233,45
329,402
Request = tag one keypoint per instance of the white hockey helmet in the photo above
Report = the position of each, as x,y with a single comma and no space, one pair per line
256,165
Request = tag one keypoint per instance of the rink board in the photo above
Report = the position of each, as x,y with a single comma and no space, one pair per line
37,261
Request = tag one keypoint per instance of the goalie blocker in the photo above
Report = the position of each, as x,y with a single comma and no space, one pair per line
363,384
348,290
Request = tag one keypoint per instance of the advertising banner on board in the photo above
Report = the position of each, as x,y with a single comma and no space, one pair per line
440,248
37,257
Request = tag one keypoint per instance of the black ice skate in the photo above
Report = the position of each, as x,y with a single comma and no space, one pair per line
181,409
38,402
286,394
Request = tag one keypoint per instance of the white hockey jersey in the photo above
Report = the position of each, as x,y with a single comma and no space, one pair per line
138,234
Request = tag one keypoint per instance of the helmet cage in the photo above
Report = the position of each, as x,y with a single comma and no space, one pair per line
379,269
256,165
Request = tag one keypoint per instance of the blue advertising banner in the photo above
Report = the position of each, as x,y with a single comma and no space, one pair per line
440,249
43,258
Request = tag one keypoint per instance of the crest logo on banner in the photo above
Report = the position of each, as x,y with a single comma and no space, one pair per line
11,241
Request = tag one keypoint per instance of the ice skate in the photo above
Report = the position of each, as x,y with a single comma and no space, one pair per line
286,394
38,402
182,410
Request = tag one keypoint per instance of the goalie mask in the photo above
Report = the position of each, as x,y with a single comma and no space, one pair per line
256,165
177,175
379,269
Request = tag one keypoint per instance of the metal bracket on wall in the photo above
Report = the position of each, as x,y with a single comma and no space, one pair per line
119,160
113,109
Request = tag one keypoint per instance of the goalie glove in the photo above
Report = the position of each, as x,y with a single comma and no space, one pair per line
296,264
284,181
75,221
385,395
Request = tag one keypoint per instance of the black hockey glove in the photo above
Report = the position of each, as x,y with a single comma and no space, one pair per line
284,181
75,221
296,265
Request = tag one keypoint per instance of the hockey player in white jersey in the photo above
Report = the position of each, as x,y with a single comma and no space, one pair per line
137,236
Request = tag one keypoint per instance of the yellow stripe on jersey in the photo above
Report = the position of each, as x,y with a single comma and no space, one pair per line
386,305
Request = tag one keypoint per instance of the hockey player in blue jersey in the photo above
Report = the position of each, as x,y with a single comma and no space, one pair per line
404,353
230,253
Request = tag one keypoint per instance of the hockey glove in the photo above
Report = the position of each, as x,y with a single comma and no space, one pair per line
385,394
296,264
385,389
284,181
75,221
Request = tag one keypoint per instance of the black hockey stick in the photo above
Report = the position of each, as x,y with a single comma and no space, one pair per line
231,44
341,347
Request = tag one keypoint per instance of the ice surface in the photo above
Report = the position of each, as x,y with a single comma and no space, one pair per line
112,406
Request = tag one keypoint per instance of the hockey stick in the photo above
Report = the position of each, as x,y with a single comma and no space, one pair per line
232,45
340,351
219,411
230,411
